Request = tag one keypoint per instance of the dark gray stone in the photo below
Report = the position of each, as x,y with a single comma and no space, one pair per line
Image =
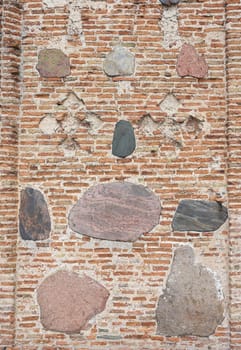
119,62
67,301
169,2
124,142
53,63
192,303
200,216
118,211
34,219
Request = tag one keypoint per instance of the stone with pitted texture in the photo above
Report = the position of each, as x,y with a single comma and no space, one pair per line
34,219
118,211
198,215
190,63
124,142
192,303
67,301
53,63
119,62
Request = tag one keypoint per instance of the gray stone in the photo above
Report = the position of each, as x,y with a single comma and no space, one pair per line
67,301
118,211
124,142
190,63
200,216
119,62
169,2
34,219
53,63
192,303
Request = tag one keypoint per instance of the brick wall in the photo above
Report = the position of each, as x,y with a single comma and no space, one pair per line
173,158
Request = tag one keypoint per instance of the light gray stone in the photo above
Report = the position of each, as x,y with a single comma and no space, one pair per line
119,62
192,303
118,211
67,301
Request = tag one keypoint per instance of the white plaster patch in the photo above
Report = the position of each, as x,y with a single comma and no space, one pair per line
169,28
147,125
48,125
55,3
170,105
124,87
70,124
94,122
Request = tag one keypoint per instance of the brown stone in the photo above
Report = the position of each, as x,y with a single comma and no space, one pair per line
67,301
190,63
53,63
192,303
34,219
119,211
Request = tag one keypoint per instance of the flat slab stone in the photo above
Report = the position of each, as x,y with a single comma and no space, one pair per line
67,301
119,62
124,142
200,216
192,303
53,63
117,211
34,219
190,63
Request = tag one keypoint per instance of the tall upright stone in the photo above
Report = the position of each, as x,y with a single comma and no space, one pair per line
123,143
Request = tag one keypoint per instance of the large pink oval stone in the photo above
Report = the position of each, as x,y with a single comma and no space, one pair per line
67,301
117,211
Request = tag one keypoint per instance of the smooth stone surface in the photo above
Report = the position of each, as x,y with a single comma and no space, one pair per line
34,219
124,142
190,63
169,2
192,303
119,62
53,63
67,301
117,211
197,215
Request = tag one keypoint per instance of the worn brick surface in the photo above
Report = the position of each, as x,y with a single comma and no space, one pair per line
174,160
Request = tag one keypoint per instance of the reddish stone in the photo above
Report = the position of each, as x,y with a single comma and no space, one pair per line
67,301
118,211
53,63
190,63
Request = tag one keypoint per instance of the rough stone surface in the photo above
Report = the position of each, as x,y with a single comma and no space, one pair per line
118,211
190,63
67,301
119,62
34,219
53,63
49,125
170,105
124,142
201,216
192,303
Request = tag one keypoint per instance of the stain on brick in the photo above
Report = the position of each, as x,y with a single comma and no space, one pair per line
67,301
192,302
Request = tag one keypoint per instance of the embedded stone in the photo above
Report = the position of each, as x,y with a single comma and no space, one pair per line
192,302
67,301
169,2
124,142
119,62
34,219
53,63
118,211
190,63
200,216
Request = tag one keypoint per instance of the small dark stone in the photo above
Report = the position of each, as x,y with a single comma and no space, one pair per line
53,63
124,142
34,219
200,216
169,2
